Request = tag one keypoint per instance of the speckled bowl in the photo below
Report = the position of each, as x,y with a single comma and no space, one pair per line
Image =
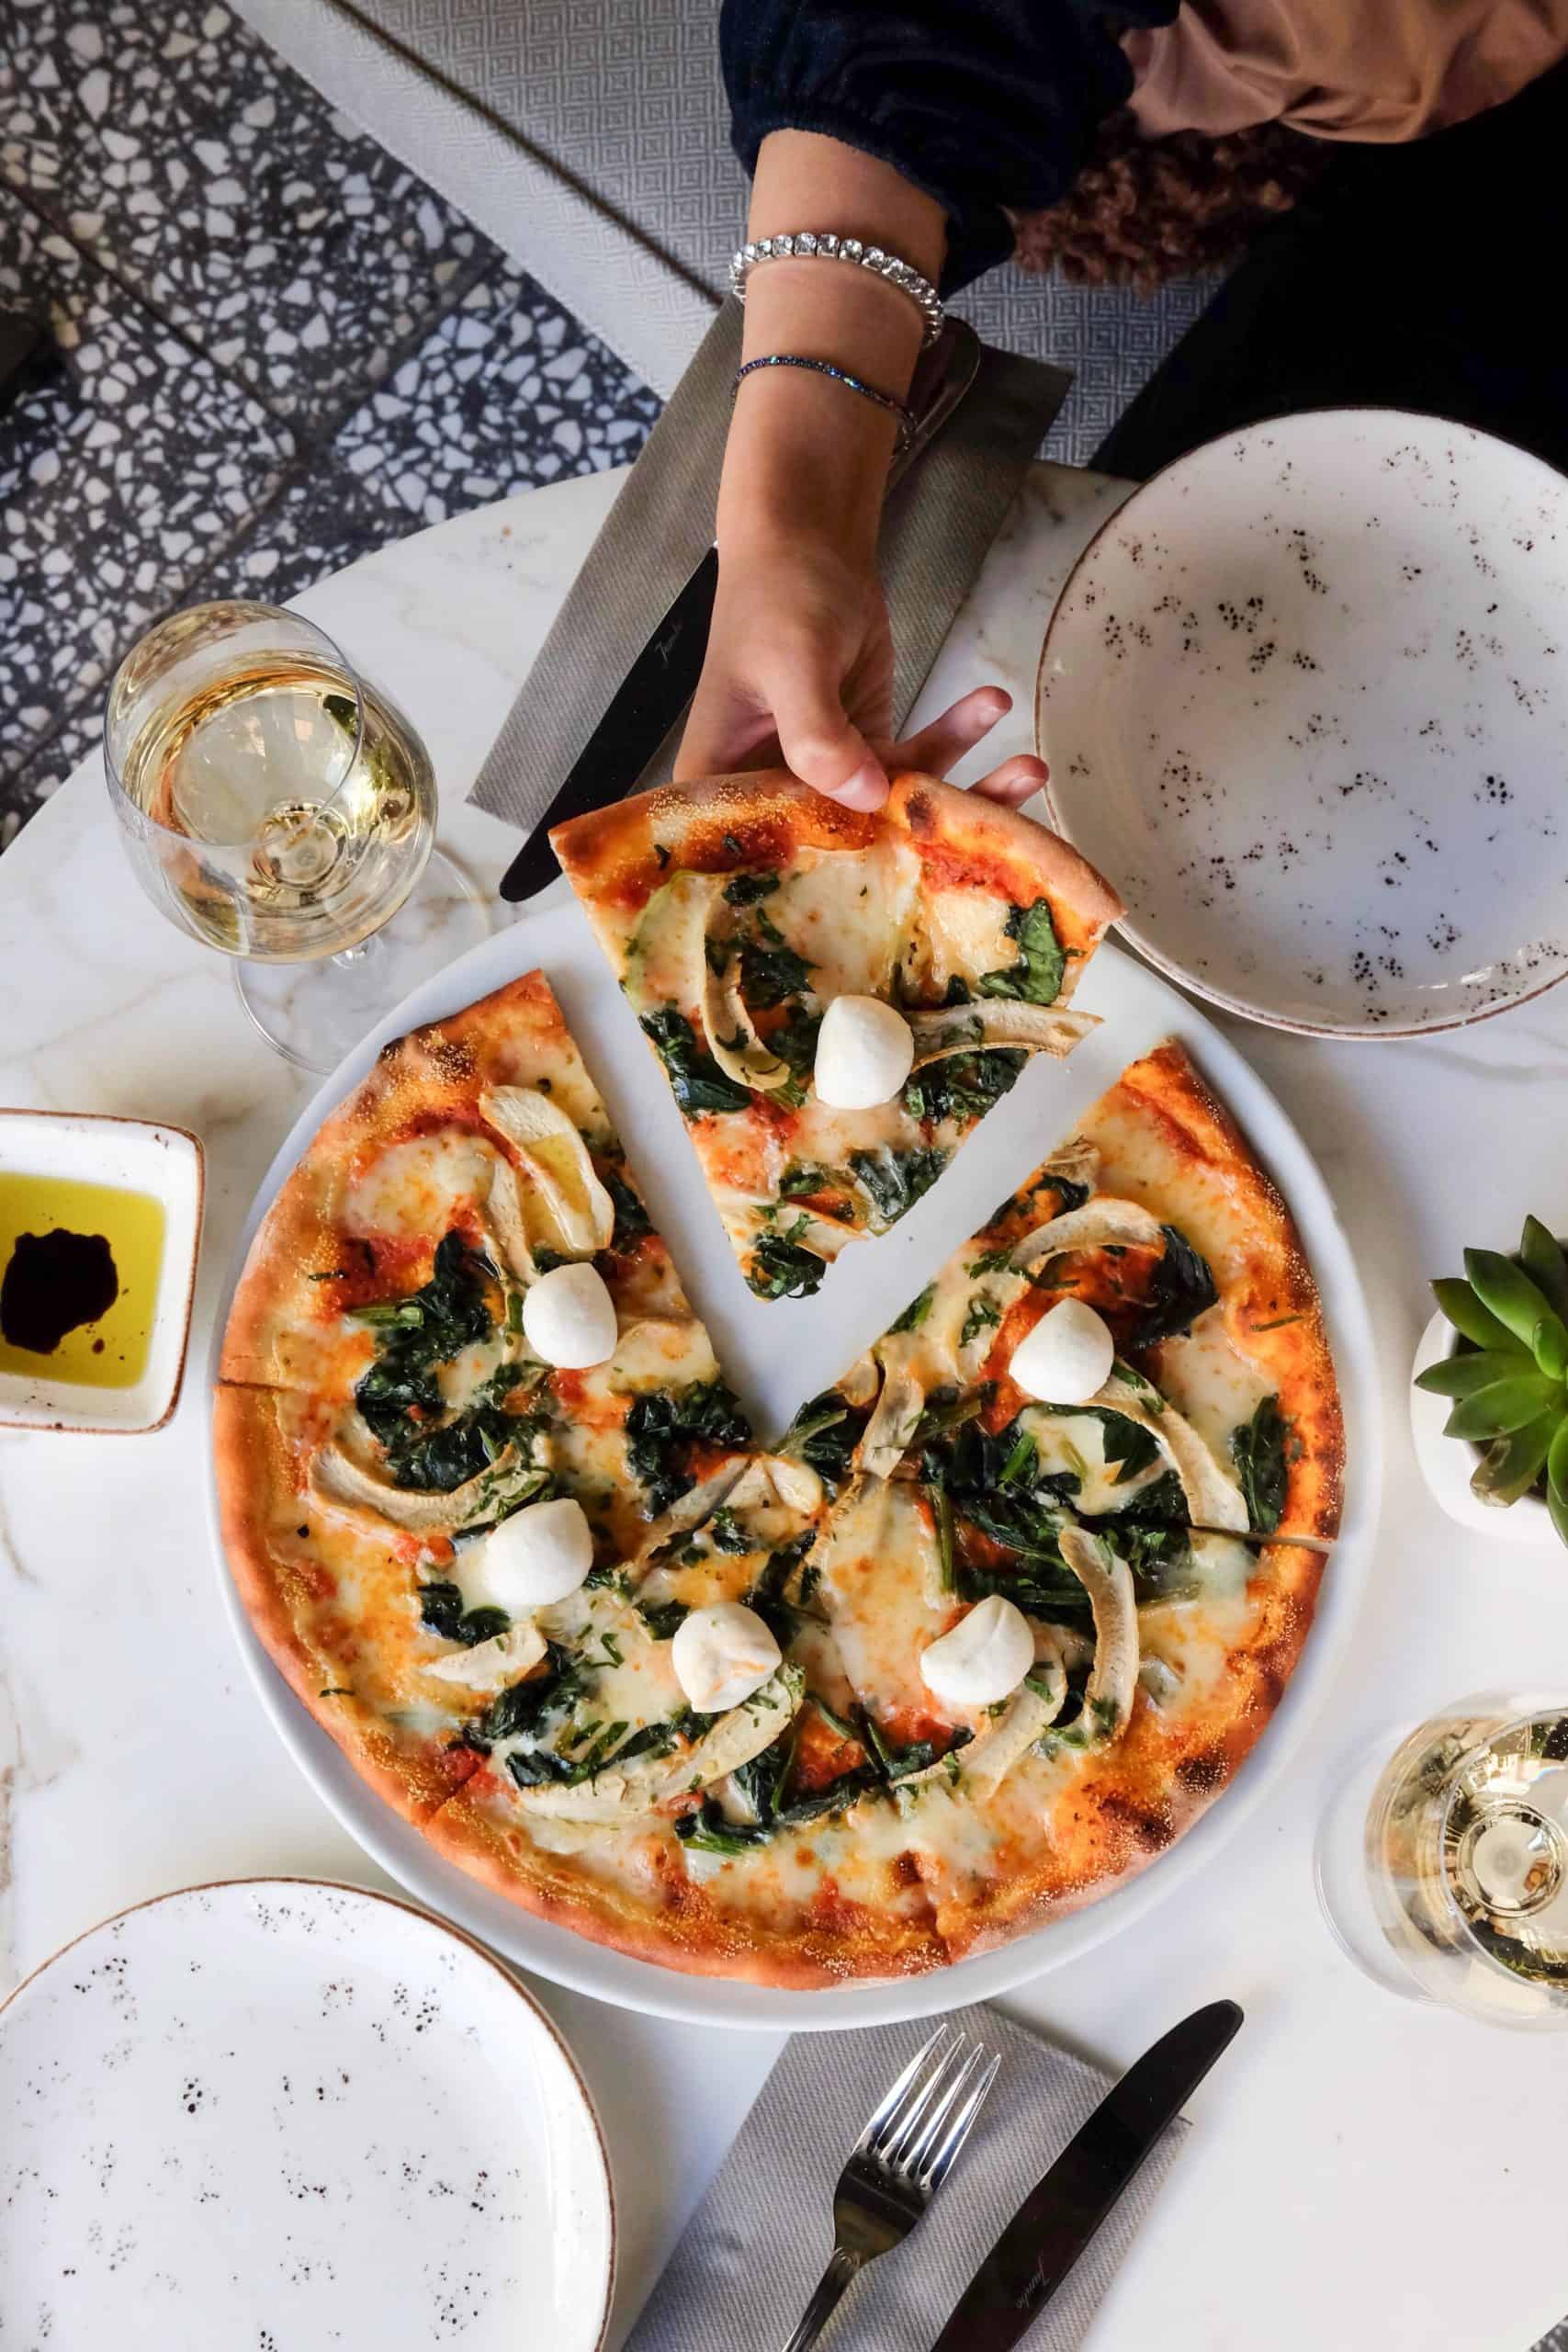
280,2113
1305,697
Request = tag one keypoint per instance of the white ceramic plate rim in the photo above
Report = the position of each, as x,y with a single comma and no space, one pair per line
1136,934
540,2017
607,1975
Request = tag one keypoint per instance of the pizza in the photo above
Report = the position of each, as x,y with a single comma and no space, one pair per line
378,1403
769,942
840,1787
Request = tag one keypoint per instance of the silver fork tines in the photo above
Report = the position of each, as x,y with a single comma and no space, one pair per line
909,2147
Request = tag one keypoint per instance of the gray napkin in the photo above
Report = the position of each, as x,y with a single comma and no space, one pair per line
939,525
740,2276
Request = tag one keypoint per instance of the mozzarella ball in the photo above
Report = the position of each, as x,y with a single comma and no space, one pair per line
721,1655
569,1318
866,1050
1068,1357
541,1554
984,1658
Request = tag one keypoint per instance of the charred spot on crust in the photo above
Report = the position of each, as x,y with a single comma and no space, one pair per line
1205,1773
1150,1829
919,813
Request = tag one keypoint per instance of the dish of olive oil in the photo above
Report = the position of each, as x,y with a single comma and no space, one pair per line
79,1268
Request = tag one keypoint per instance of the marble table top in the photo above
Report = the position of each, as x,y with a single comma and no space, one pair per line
1364,2171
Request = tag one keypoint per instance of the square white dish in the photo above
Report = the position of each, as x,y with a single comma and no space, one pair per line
138,1156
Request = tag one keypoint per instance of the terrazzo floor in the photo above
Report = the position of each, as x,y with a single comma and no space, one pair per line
268,348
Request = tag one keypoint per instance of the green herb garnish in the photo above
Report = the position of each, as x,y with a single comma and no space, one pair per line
696,1080
1259,1449
781,1268
895,1181
1036,978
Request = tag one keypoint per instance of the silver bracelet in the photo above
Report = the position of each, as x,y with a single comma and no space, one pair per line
810,247
872,393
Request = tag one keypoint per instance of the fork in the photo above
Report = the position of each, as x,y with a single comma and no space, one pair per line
899,2162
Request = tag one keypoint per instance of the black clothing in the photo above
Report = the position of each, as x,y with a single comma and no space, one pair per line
983,104
1410,277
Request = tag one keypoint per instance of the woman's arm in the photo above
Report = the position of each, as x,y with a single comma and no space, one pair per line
910,128
799,651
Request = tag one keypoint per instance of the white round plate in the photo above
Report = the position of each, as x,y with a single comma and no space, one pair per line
273,2112
1305,696
777,1354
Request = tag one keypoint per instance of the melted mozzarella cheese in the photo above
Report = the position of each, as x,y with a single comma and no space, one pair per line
1075,1443
875,1572
1208,1383
417,1187
968,935
847,913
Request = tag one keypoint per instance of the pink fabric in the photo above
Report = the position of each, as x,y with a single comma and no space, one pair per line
1341,69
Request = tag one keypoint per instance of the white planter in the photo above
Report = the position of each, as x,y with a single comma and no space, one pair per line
1448,1463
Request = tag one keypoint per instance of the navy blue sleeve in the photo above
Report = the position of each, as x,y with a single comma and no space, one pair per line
983,104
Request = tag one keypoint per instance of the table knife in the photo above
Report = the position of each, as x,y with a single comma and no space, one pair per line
1066,2206
663,678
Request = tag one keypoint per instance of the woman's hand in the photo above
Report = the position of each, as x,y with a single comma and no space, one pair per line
799,665
939,747
799,670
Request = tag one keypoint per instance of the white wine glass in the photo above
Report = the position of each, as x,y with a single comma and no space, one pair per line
277,806
1442,1868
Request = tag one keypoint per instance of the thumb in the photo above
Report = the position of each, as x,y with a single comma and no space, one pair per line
822,748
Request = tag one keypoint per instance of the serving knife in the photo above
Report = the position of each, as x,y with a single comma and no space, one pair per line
663,678
1066,2206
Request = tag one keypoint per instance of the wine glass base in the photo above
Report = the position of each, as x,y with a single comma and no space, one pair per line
315,1013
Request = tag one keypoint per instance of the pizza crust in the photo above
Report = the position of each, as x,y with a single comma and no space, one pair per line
678,1925
869,1899
612,856
281,1590
1204,1177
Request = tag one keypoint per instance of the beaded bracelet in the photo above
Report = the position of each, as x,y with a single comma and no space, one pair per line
810,247
840,376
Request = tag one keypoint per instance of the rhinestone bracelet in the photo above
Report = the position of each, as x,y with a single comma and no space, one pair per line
810,247
840,376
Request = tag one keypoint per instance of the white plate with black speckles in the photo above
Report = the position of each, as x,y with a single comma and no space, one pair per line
1305,697
274,2114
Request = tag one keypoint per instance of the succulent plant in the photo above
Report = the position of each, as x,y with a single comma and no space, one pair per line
1510,1383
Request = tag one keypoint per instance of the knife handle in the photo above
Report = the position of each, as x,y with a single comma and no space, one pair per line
942,376
646,704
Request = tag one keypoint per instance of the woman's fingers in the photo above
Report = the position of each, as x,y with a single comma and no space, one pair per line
1016,781
939,747
944,743
818,743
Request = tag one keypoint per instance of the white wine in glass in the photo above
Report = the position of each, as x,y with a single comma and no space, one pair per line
281,809
1443,1867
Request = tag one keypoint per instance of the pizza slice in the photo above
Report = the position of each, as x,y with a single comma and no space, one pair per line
1064,1474
1021,1633
837,999
388,1397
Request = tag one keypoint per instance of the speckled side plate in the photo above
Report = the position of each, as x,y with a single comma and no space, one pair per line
276,2114
1306,698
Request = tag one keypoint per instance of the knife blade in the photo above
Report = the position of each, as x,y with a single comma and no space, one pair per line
1066,2206
663,678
